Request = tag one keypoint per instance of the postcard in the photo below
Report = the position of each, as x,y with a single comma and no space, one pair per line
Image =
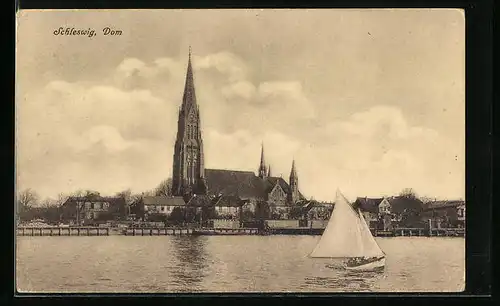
240,150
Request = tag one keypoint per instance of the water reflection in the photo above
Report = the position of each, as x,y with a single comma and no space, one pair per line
338,279
192,262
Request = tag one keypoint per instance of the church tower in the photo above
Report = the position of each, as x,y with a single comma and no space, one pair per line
262,167
188,169
294,184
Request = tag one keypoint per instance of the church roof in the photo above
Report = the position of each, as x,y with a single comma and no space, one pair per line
272,181
228,201
244,184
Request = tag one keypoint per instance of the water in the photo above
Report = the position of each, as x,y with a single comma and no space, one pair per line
163,264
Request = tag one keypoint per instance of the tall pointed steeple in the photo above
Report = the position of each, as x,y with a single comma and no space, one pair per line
293,172
189,97
188,167
294,184
262,166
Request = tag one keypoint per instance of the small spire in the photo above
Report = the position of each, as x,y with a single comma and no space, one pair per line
293,172
262,166
269,171
262,161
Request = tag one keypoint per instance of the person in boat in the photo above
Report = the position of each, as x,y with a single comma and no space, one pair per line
354,261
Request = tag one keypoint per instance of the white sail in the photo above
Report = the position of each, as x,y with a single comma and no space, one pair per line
346,234
370,246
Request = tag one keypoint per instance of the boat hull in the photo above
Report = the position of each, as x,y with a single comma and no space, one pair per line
371,266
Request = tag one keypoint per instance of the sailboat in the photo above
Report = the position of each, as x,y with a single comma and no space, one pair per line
348,237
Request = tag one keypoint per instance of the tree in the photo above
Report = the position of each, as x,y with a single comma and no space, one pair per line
176,216
27,198
126,195
50,210
247,215
190,214
262,210
208,212
164,188
157,217
128,199
296,212
408,193
426,200
25,202
61,199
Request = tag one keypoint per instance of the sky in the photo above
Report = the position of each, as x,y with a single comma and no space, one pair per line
366,101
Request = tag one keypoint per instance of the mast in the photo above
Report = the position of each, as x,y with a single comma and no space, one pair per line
346,234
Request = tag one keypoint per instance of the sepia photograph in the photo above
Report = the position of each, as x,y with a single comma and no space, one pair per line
240,151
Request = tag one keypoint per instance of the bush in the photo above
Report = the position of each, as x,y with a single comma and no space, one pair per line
156,217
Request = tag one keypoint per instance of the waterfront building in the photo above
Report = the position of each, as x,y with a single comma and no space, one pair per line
228,207
445,213
406,211
388,212
161,205
269,195
93,207
318,210
371,210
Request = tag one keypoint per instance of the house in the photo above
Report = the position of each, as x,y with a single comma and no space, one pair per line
228,207
445,213
371,210
387,212
249,206
86,209
158,205
318,210
407,211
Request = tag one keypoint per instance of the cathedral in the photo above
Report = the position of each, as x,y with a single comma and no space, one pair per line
190,177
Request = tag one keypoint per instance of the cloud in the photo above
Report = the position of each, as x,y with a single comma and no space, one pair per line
108,136
225,63
119,132
281,95
242,89
376,152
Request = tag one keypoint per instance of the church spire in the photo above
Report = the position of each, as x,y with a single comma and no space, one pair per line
293,172
189,97
269,171
188,164
294,184
262,167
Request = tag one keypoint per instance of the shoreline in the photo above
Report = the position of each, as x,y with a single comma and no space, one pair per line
185,231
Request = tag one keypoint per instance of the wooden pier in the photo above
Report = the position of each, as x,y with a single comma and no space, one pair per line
295,231
419,232
162,231
410,232
63,231
226,231
157,231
